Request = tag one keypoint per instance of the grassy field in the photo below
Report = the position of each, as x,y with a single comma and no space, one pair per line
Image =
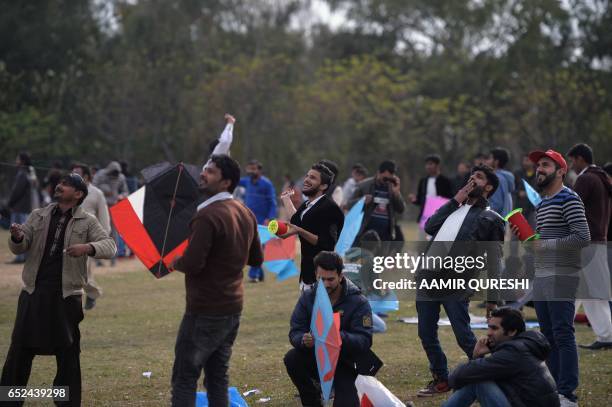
133,330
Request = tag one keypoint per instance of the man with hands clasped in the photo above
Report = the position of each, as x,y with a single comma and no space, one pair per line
507,368
58,239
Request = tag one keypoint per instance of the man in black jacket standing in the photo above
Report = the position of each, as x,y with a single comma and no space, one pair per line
317,222
473,230
434,184
355,331
515,373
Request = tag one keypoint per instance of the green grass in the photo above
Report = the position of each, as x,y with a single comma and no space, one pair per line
133,329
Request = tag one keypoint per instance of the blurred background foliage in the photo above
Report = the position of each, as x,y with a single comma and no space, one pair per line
150,80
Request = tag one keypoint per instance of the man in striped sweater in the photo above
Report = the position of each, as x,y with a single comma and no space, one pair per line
563,229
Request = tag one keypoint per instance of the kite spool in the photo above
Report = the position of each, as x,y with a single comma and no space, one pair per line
277,227
516,218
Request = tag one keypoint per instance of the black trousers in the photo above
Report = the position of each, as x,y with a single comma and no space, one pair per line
203,343
46,324
302,369
18,366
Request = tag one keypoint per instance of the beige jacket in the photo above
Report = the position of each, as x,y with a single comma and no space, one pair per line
82,228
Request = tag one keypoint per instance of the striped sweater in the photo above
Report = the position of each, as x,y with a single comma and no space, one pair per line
563,228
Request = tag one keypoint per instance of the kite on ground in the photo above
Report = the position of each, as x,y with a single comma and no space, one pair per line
154,220
325,329
234,396
373,393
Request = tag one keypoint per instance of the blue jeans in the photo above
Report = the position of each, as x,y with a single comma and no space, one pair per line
203,343
487,393
556,320
256,273
21,218
120,246
429,314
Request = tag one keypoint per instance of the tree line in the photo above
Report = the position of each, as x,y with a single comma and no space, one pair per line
149,80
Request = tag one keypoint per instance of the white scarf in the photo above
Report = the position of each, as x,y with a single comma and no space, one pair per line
221,196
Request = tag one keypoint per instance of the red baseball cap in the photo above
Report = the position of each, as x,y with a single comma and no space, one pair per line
535,156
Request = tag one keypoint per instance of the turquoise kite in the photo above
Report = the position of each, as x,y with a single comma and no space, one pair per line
352,225
325,329
279,254
532,194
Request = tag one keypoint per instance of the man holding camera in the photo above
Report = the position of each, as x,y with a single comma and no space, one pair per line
383,203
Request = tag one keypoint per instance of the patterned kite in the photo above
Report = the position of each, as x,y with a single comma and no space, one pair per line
154,220
325,329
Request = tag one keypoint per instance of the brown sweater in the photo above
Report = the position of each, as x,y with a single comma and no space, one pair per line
223,239
595,191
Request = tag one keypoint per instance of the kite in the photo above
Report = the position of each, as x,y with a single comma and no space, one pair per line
154,220
373,393
234,396
432,204
352,225
532,194
279,254
325,329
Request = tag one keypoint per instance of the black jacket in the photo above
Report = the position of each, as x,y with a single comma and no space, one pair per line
482,232
395,208
20,199
444,188
325,219
518,367
355,321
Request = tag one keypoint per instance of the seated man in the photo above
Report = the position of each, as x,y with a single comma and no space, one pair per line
514,375
355,331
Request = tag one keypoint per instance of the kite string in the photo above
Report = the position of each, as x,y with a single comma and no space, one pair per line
172,204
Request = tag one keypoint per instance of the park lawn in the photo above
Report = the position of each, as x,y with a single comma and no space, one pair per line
133,330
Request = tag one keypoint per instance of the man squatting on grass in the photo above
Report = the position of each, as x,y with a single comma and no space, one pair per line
58,239
515,373
355,331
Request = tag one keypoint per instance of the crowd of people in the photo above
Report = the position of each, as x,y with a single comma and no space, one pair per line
106,186
510,366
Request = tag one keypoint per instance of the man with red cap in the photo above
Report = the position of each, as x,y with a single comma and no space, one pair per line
562,225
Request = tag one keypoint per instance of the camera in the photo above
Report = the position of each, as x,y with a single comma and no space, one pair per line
389,180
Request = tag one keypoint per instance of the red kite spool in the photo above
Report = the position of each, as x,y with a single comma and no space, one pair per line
277,227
